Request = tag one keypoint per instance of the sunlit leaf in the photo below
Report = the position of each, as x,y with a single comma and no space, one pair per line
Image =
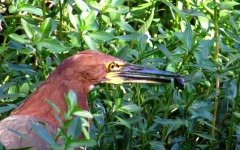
46,28
116,3
24,88
82,5
126,26
18,38
120,10
52,46
228,4
147,24
142,6
83,113
128,37
12,9
82,142
131,108
101,35
27,28
31,9
91,44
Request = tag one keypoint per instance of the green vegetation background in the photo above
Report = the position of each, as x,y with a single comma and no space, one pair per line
199,39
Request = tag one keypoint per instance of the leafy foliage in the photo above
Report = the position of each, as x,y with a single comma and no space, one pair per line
199,39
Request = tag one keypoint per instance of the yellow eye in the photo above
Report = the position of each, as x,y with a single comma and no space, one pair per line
111,65
114,66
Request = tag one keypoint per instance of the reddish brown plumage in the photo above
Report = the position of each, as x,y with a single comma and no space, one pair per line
78,73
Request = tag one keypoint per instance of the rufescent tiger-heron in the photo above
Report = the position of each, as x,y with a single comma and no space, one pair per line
79,73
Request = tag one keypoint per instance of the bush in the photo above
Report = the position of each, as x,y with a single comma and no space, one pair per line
198,39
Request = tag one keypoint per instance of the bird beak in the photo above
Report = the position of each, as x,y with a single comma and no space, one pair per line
126,73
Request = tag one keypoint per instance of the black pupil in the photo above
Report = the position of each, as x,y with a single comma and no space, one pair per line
112,65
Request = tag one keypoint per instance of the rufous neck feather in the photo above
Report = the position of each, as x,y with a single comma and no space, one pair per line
52,89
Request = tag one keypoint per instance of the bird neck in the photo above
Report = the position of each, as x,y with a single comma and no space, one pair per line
53,89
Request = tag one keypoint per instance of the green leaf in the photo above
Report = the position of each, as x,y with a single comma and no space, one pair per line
82,5
12,9
123,52
116,3
91,44
89,19
144,28
101,35
119,10
52,46
27,28
126,26
2,49
165,51
11,96
132,108
74,130
233,59
83,113
22,136
204,66
73,100
237,114
31,9
6,108
164,121
26,69
74,19
206,136
179,12
19,38
156,145
128,37
96,5
142,6
24,88
74,39
192,12
123,122
106,19
46,28
85,130
55,107
188,36
81,142
228,4
208,124
43,133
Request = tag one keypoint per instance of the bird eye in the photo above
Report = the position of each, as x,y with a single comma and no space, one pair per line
113,66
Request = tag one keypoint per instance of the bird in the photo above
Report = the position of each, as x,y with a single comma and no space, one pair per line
79,73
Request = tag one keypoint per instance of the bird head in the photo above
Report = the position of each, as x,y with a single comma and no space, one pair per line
93,67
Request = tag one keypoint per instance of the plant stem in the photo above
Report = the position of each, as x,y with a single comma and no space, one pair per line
166,116
60,20
233,118
215,19
44,9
